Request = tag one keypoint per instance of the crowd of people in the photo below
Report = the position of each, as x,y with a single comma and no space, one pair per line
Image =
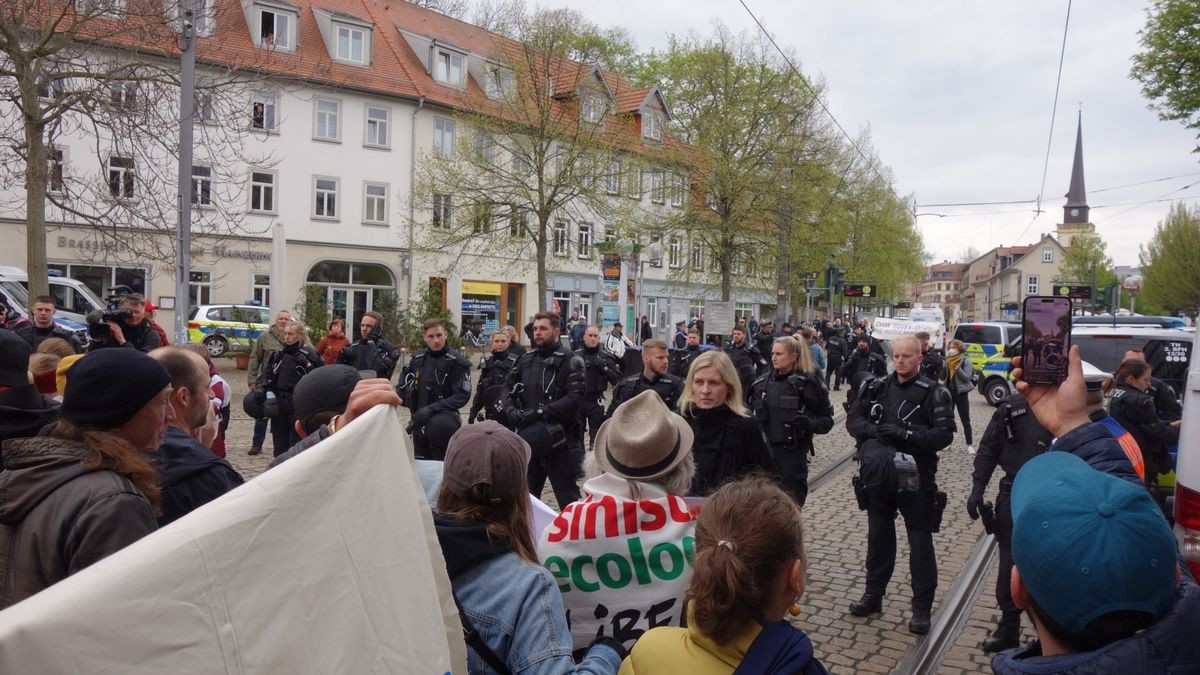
679,539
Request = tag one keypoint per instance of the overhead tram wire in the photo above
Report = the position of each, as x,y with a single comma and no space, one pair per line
1148,201
1090,192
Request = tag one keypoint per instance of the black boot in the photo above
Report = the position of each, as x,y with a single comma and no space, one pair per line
867,604
1006,636
919,623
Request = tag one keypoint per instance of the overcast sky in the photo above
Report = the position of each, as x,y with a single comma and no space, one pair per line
958,96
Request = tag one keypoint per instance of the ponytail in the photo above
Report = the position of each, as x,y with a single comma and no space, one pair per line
1129,368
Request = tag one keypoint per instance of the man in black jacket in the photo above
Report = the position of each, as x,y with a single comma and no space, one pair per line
371,351
434,385
131,330
933,365
654,376
23,410
837,350
600,370
863,359
547,388
681,359
902,422
43,325
189,474
745,356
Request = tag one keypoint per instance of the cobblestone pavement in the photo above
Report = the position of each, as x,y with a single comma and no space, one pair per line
836,542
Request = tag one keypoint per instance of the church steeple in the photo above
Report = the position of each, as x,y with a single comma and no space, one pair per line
1076,209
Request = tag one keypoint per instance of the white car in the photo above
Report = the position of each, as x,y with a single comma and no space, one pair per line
1187,474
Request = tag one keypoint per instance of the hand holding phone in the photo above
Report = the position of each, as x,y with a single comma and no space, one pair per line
1045,339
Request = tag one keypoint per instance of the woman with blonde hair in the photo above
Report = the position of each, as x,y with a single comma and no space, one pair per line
792,404
960,380
728,442
749,574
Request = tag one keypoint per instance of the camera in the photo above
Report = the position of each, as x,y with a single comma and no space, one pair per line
98,328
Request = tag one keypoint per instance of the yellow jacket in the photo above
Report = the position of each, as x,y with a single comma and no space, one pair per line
670,650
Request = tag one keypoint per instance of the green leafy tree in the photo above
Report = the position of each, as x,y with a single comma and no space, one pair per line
1171,277
1168,67
1087,254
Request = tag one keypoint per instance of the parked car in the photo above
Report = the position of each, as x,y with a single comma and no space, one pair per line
222,328
986,342
1186,507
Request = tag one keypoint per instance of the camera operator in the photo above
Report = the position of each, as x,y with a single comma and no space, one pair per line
125,326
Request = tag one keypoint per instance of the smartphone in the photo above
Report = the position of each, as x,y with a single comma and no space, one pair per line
1045,339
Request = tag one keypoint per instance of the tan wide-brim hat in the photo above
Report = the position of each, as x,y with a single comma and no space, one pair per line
643,440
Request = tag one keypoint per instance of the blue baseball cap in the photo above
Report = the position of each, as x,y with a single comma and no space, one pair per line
1088,543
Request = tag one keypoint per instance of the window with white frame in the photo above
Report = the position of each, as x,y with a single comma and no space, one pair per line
377,133
325,197
441,210
1048,255
352,44
652,125
448,68
633,183
264,111
262,191
51,87
123,93
675,253
591,108
485,147
327,120
203,16
199,288
561,229
1032,283
613,179
55,174
657,189
121,177
261,289
656,240
203,110
652,310
201,185
698,257
443,136
696,309
498,82
677,189
276,29
375,198
742,310
583,241
108,8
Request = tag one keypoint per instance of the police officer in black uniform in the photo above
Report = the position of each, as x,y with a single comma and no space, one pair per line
654,376
764,339
600,370
1132,406
681,359
1165,399
902,421
546,392
434,385
747,360
863,359
493,373
933,365
1013,437
792,405
836,351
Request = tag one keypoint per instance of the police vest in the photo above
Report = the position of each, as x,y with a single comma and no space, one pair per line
542,378
434,379
776,402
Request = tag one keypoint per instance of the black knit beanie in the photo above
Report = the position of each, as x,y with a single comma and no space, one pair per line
106,388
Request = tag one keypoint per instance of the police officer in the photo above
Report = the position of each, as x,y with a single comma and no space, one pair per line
547,389
681,359
371,351
863,359
932,363
494,371
745,356
1013,437
1164,396
764,339
792,405
434,385
902,421
836,350
654,376
1132,406
600,370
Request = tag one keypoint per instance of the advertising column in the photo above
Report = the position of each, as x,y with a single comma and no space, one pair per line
610,288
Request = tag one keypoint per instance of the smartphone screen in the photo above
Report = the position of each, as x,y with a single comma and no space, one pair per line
1045,339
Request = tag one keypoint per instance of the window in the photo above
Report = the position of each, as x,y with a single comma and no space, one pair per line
1048,255
352,44
485,147
675,253
520,163
199,288
677,190
656,241
56,160
657,190
51,87
1031,284
498,82
583,246
481,218
698,257
560,237
447,68
591,108
261,291
633,186
375,198
443,137
441,210
377,127
262,191
326,125
263,111
275,29
201,185
202,108
518,222
121,177
695,309
652,310
613,179
123,93
325,197
202,16
652,125
109,8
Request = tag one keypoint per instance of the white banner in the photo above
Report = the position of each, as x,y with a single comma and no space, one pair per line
327,564
890,329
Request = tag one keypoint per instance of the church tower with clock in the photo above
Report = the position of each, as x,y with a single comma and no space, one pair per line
1075,212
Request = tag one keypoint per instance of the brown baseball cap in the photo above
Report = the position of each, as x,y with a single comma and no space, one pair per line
486,453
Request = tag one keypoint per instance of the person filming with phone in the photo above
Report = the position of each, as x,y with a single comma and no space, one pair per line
371,351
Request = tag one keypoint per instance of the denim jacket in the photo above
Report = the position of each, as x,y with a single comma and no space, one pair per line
514,605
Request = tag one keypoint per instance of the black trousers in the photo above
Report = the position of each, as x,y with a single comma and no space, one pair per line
592,414
917,509
562,466
283,428
832,373
963,403
1004,527
430,439
791,465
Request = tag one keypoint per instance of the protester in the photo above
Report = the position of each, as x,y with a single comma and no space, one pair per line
371,351
1133,408
819,356
646,330
9,319
960,380
222,398
750,573
329,398
60,373
188,473
265,346
42,369
44,327
23,410
86,489
151,311
57,346
279,379
728,441
334,341
1095,567
642,465
575,331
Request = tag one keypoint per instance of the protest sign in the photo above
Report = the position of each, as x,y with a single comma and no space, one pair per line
327,564
890,329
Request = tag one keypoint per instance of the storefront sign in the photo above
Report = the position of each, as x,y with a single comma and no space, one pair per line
101,246
491,288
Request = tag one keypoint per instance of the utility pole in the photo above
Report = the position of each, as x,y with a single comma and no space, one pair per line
187,104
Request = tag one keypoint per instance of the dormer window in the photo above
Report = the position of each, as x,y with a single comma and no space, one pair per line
448,68
276,29
498,82
352,44
591,108
652,125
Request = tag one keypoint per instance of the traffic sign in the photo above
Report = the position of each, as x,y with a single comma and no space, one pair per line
1073,292
858,290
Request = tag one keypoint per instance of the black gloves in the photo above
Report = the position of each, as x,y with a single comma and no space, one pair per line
421,416
802,424
523,418
974,501
895,433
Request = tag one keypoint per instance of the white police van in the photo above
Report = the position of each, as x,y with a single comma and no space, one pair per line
1187,474
72,297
